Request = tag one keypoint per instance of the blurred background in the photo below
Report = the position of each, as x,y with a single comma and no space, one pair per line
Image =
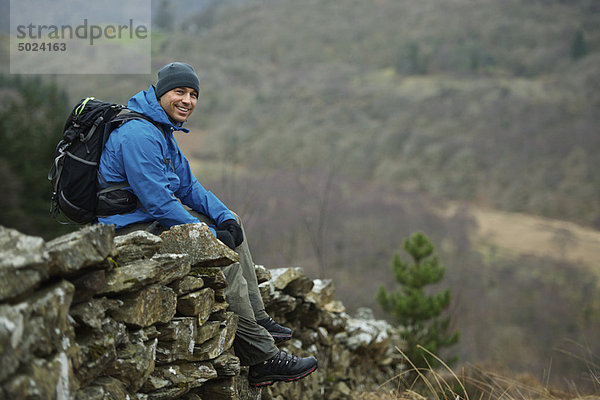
338,128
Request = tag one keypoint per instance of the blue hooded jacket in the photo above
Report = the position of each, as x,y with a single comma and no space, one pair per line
157,171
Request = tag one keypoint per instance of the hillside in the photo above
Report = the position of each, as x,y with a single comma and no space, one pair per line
495,103
338,129
495,110
513,234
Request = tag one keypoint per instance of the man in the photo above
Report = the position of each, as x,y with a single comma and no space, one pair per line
149,161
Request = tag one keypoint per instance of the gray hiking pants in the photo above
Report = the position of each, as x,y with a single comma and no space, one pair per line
253,344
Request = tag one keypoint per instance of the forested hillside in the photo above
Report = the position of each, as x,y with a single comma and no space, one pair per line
337,129
341,126
496,103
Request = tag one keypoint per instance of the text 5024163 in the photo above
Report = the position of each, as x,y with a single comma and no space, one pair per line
43,46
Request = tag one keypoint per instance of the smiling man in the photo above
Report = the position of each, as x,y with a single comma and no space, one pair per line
143,157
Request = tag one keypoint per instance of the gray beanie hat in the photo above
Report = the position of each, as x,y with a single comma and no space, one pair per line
174,75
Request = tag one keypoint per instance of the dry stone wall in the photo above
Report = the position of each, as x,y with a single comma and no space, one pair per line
93,316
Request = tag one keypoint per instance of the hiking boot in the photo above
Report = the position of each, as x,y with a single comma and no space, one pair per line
278,332
282,367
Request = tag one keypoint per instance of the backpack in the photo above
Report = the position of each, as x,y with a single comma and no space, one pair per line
74,173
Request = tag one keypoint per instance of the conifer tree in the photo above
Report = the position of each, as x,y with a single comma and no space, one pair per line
579,47
32,118
418,313
164,18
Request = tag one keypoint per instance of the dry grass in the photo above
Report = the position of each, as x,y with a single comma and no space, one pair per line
513,234
476,383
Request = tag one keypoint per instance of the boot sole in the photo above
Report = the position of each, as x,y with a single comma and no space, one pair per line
272,379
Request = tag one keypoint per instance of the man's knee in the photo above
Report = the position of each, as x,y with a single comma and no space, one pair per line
237,217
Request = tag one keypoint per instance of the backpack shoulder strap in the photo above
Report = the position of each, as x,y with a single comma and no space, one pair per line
129,115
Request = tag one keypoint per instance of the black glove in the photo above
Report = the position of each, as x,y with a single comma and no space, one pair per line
234,229
226,238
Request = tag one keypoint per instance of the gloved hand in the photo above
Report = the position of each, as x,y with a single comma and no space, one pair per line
234,229
226,238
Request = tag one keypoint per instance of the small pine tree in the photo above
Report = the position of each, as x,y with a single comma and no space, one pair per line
419,314
579,46
164,18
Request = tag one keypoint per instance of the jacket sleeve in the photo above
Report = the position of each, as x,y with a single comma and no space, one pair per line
145,167
194,195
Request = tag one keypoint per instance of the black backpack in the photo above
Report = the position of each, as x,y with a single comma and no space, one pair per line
74,173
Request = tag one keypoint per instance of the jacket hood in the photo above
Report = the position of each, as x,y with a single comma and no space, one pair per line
145,102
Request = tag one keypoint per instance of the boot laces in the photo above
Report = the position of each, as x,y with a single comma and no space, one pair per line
283,358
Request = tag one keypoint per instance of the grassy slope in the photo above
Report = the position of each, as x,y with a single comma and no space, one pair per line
507,234
519,234
480,103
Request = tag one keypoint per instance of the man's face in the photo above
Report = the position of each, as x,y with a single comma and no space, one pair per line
179,103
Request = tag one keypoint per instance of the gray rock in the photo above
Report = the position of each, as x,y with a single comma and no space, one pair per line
220,343
212,277
365,313
207,331
280,304
187,284
299,287
137,245
262,274
220,389
198,304
88,285
219,307
161,269
220,296
144,334
23,262
176,328
335,306
98,351
104,388
42,379
134,364
371,334
219,316
52,346
176,340
12,325
322,292
92,313
227,365
248,392
83,248
18,250
168,393
190,375
333,322
37,326
266,291
341,359
283,277
307,314
198,241
150,305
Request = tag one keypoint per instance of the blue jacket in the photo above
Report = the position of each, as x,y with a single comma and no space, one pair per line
156,170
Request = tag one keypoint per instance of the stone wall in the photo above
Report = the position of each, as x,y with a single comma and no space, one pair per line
93,316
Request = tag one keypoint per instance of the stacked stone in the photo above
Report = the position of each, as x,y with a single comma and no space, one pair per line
355,354
93,316
90,316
